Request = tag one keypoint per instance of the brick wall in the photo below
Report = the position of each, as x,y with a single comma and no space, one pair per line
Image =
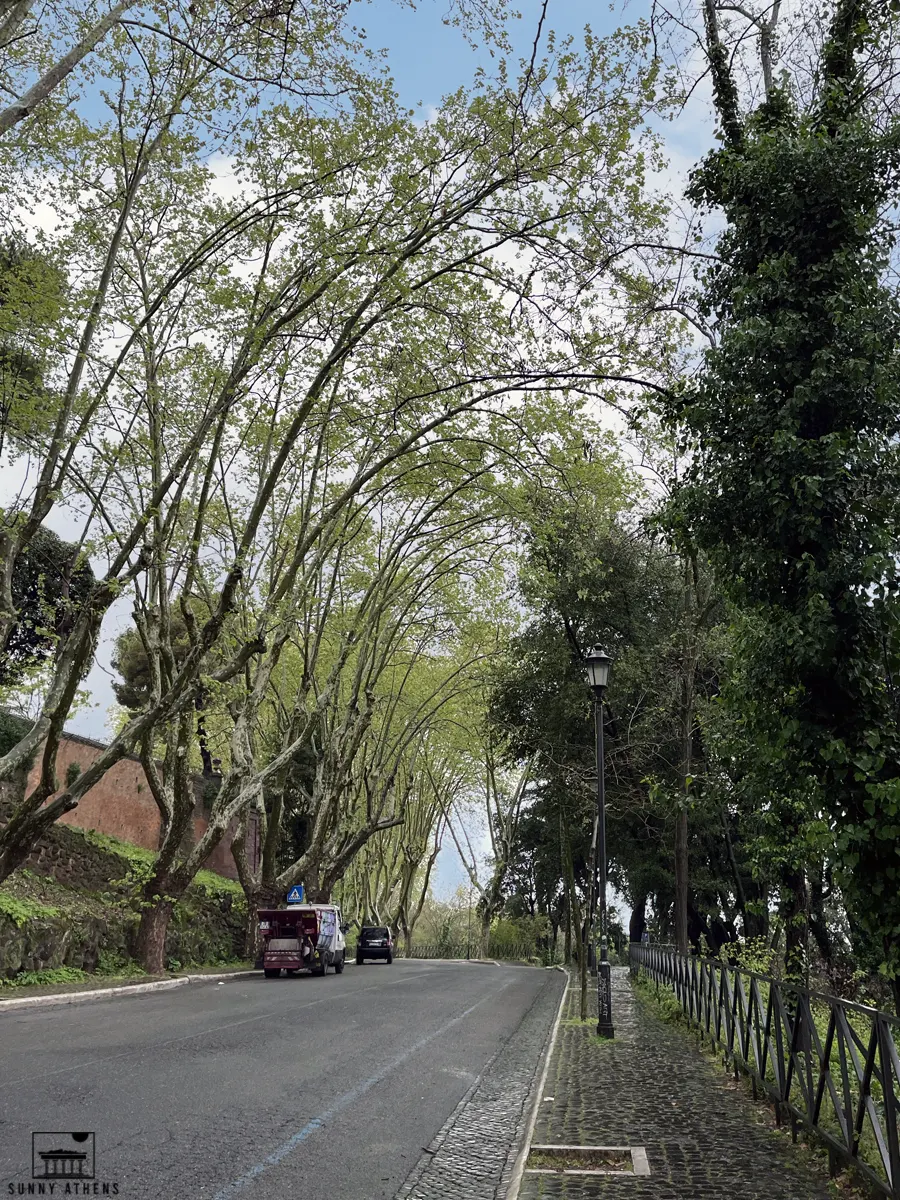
121,804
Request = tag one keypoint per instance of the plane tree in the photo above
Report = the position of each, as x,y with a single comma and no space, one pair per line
358,260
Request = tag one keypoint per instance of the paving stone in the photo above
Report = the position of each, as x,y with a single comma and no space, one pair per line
652,1087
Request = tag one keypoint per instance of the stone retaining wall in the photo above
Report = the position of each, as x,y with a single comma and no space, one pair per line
64,853
200,932
41,944
67,856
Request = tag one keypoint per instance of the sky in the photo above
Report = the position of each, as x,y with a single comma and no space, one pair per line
429,60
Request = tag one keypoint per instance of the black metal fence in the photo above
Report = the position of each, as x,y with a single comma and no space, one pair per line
826,1064
503,951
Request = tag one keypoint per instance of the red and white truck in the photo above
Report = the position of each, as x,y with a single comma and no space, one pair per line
302,937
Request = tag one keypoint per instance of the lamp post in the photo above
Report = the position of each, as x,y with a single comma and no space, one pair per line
469,927
596,671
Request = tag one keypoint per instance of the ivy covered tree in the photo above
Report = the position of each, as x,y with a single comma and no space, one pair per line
794,478
32,293
51,581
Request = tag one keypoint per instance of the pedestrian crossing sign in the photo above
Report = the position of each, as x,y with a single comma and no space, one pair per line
295,895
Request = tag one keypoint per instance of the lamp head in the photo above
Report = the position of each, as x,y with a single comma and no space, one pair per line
596,669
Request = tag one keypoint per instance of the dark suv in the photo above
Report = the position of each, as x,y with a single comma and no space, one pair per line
374,942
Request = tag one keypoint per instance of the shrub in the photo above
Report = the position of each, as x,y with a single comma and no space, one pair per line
111,962
667,1005
753,954
126,850
55,975
211,884
20,911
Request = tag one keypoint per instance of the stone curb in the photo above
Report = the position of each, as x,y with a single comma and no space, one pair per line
131,989
517,1171
223,975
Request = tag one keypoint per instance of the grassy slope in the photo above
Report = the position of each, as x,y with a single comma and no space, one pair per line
27,896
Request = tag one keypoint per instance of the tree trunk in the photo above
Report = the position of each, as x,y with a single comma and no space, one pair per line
582,926
688,670
50,81
151,939
575,919
755,916
251,923
681,880
485,948
411,919
593,897
638,922
316,886
25,829
739,890
251,883
818,925
14,18
794,915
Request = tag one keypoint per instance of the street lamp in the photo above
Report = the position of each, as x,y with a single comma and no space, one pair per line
596,671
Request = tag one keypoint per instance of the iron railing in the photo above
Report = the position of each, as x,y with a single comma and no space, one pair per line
827,1064
458,950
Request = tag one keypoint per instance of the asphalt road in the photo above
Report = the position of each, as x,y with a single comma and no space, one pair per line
303,1088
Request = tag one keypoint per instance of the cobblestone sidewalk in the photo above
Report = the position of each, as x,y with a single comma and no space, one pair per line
652,1087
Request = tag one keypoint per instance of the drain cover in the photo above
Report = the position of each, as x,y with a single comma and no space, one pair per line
587,1160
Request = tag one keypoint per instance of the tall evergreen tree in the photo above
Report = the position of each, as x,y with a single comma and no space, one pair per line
795,478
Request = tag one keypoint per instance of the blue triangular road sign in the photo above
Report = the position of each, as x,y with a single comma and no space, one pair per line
295,895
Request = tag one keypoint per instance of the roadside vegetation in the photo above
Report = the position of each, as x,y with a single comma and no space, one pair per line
64,933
